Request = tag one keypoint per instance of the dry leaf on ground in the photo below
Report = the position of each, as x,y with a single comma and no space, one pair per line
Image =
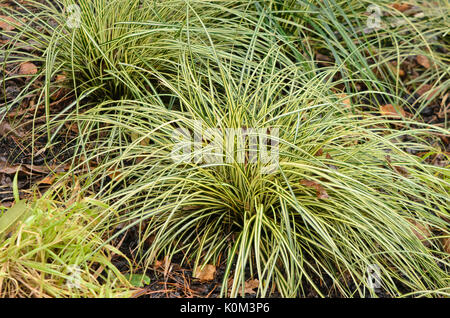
345,99
390,110
425,90
319,152
446,244
8,23
422,231
400,170
73,127
324,59
423,60
249,287
48,180
402,6
394,69
164,265
5,129
39,169
60,78
7,168
328,156
28,68
206,273
321,192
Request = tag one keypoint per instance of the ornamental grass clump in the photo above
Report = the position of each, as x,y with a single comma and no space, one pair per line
341,196
110,49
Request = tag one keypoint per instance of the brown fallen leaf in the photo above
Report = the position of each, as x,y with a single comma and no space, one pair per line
114,173
73,127
8,169
25,168
28,68
164,265
394,69
400,170
322,194
39,169
56,94
345,100
320,191
446,244
402,6
48,180
249,287
60,78
8,23
23,111
6,129
206,273
390,110
322,57
319,152
421,231
6,204
308,183
424,90
423,60
158,264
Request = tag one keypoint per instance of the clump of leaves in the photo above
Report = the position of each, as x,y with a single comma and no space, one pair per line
51,250
106,49
386,53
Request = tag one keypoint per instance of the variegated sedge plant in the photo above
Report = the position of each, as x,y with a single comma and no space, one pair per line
345,195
